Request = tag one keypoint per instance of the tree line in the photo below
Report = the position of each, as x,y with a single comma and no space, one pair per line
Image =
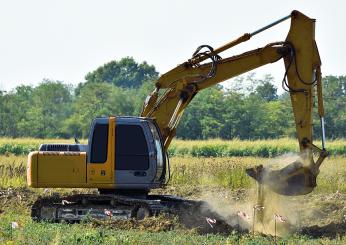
250,109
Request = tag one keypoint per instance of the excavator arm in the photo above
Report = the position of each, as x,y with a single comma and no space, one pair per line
302,70
183,82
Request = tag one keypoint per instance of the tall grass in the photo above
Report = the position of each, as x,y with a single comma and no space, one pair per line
13,171
228,172
187,171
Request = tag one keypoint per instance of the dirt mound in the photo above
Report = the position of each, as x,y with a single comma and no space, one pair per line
167,223
331,230
152,224
19,195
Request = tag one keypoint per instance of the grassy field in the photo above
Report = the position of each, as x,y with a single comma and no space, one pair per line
318,218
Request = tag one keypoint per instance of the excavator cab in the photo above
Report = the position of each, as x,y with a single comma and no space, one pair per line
123,153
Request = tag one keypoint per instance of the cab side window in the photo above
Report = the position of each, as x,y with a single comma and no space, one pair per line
131,149
99,144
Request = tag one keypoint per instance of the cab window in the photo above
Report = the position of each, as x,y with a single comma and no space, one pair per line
99,144
131,149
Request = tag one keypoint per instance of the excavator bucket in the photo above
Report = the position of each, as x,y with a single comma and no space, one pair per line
297,178
293,180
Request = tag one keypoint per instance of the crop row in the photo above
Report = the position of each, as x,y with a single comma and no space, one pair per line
257,148
199,148
17,149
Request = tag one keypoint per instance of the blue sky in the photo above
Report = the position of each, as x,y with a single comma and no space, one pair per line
65,39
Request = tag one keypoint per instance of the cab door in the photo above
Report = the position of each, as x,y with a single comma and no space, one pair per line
100,166
135,157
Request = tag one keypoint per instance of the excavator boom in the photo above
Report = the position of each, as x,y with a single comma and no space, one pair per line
302,72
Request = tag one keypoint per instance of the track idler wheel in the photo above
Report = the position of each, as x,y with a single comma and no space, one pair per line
142,212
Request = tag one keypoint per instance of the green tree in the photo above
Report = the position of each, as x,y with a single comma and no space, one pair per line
232,115
13,108
139,95
98,100
274,122
203,117
266,89
334,94
126,73
50,106
255,110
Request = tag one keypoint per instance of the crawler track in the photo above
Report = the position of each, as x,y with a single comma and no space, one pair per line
80,207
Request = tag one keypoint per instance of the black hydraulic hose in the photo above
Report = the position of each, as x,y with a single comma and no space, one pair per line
298,74
285,85
211,55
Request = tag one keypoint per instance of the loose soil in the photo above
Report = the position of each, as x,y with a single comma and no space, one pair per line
314,215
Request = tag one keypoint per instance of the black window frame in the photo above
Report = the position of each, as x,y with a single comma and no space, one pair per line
93,159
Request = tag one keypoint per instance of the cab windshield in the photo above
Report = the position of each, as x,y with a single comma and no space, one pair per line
159,151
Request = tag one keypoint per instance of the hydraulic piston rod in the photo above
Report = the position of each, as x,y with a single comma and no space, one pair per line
241,39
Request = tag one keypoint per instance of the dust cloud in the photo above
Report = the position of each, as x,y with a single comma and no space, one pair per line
238,209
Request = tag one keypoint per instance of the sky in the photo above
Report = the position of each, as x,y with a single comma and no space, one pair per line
65,39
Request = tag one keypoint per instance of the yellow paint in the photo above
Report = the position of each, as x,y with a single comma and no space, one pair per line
70,169
302,37
104,172
188,78
62,167
31,171
181,84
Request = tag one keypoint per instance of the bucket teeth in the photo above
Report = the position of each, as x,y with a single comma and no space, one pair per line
255,172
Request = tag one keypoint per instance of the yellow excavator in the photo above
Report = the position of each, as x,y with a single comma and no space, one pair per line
126,157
